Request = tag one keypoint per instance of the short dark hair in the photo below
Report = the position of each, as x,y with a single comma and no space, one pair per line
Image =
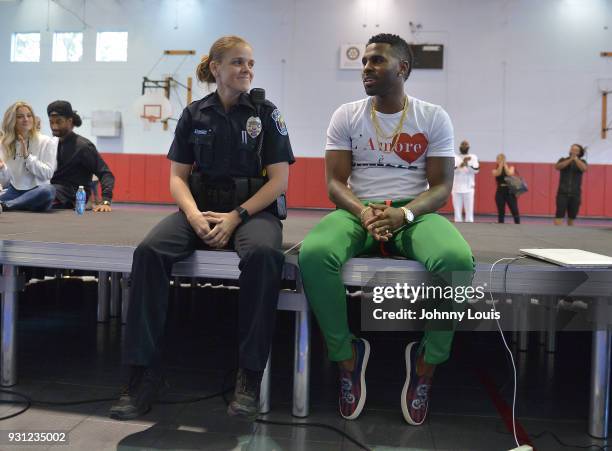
400,48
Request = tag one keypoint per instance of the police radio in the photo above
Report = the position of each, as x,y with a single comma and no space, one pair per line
258,97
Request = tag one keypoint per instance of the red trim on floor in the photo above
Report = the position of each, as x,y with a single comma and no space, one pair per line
144,178
503,409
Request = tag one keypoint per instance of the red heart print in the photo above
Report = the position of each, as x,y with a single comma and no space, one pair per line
410,148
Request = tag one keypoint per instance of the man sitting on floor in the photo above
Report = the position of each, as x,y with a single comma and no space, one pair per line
389,164
77,160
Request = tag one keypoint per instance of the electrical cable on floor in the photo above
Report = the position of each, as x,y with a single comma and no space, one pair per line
560,442
31,402
294,424
198,399
512,260
221,393
319,425
28,403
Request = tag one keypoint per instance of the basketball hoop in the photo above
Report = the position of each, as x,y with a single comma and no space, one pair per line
148,120
152,107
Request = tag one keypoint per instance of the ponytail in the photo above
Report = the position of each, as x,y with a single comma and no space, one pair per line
203,70
76,120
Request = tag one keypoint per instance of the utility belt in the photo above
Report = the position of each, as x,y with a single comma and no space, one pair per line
224,194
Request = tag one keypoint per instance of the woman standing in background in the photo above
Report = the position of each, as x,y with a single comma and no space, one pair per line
570,181
503,195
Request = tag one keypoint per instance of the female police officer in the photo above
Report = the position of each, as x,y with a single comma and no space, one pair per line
225,139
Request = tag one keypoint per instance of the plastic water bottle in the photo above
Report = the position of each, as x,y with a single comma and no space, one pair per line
81,198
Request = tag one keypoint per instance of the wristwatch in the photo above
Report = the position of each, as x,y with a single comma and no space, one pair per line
408,215
243,213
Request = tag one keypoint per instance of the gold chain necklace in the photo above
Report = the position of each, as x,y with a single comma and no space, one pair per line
380,136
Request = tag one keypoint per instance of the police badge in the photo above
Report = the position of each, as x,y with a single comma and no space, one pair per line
253,126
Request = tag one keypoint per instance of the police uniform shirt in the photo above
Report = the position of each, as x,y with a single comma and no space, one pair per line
222,144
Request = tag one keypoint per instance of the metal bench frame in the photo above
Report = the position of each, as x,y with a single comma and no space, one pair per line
522,280
118,260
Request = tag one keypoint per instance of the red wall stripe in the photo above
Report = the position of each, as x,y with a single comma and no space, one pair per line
608,192
596,181
144,178
297,183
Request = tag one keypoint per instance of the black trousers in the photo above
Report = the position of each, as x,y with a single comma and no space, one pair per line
503,196
257,242
65,196
569,203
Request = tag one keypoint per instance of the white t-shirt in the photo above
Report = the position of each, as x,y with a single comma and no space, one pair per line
381,171
37,169
465,176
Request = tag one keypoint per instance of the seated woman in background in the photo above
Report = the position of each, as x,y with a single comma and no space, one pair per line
570,181
27,162
503,195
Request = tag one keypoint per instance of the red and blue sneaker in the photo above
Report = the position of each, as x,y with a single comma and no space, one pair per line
415,394
352,383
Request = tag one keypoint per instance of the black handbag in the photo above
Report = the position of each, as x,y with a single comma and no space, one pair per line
516,184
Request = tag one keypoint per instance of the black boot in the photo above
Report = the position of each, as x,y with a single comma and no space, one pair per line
142,391
246,394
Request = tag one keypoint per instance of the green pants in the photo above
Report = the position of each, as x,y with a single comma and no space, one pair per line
431,240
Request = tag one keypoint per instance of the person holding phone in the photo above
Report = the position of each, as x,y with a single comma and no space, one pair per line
222,145
27,161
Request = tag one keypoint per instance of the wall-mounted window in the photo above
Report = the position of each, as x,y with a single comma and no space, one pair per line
112,46
67,47
25,47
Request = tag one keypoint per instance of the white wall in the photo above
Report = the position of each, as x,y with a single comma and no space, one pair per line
520,75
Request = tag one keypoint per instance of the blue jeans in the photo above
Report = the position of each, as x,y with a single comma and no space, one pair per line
39,198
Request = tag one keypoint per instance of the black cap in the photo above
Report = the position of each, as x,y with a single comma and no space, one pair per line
60,108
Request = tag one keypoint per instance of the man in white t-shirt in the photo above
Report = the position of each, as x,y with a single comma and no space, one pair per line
389,164
466,168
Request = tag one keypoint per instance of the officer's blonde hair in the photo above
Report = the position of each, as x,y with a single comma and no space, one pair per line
9,125
216,53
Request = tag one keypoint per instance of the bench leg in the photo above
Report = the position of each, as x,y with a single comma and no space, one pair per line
551,328
125,295
8,356
103,296
264,390
524,302
600,384
600,372
115,304
301,369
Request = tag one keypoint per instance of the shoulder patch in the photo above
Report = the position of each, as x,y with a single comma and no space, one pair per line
277,117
